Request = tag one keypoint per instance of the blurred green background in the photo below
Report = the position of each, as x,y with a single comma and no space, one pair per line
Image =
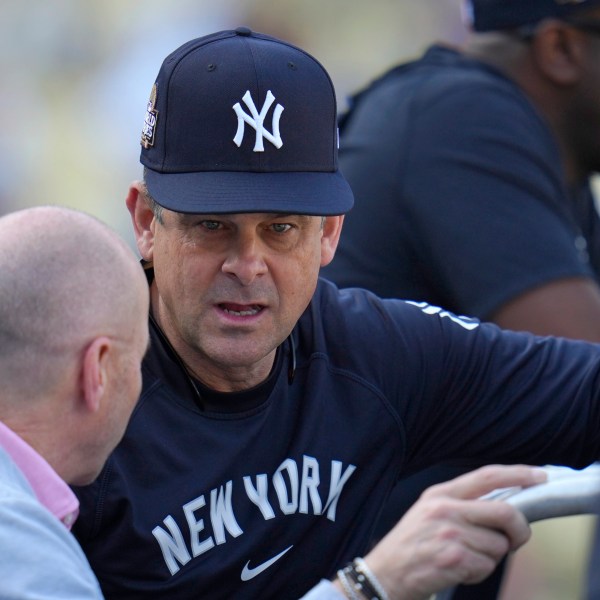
76,75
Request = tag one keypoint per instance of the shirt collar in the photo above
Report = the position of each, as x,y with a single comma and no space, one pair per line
50,489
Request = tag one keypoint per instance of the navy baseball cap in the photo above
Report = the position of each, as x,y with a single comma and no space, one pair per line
241,122
489,15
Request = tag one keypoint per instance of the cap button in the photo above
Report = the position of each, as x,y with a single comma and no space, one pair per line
243,31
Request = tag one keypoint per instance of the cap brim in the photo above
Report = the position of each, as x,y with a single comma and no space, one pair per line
219,192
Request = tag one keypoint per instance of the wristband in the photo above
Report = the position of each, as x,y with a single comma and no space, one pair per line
345,581
365,580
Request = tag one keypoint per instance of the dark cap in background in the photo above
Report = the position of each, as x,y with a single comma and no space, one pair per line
241,122
490,15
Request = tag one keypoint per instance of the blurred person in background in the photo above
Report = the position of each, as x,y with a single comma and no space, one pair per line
72,337
471,171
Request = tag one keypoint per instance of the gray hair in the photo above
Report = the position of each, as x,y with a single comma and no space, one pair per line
156,208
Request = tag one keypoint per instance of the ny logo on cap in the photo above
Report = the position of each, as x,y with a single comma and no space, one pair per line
256,120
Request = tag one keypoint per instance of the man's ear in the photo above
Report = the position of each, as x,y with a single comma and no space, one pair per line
95,372
559,51
332,228
142,219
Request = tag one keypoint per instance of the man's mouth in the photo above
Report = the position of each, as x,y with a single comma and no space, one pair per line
241,311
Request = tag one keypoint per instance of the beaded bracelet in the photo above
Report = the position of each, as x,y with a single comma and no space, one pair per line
365,581
345,581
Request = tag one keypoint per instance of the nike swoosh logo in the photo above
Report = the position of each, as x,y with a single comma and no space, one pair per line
248,573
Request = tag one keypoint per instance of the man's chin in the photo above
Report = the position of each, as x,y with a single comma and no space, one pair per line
242,356
86,478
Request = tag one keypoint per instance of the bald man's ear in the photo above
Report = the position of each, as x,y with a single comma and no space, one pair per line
95,372
141,218
559,51
332,228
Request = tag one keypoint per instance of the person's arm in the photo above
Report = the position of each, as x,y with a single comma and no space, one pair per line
565,307
449,536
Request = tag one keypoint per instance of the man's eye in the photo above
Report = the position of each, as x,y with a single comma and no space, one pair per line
211,225
281,227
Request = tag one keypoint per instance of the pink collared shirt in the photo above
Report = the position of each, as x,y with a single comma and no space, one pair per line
49,488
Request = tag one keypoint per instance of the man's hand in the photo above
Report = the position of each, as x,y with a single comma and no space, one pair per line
450,536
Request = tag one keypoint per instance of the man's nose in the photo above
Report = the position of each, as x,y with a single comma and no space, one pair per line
245,260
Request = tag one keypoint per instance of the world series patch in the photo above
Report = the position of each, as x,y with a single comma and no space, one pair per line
149,128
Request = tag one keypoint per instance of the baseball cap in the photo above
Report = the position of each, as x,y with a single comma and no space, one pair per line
239,122
488,15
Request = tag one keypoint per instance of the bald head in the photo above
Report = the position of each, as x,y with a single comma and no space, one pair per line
65,278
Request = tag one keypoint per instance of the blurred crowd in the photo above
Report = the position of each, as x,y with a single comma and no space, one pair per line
77,75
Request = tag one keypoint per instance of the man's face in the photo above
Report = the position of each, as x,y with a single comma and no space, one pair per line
582,115
228,289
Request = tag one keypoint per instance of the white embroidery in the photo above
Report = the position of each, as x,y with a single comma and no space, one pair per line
465,322
256,120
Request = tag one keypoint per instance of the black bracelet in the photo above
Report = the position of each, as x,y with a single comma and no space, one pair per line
365,581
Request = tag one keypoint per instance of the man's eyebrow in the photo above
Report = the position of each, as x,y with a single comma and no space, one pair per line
187,217
292,215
